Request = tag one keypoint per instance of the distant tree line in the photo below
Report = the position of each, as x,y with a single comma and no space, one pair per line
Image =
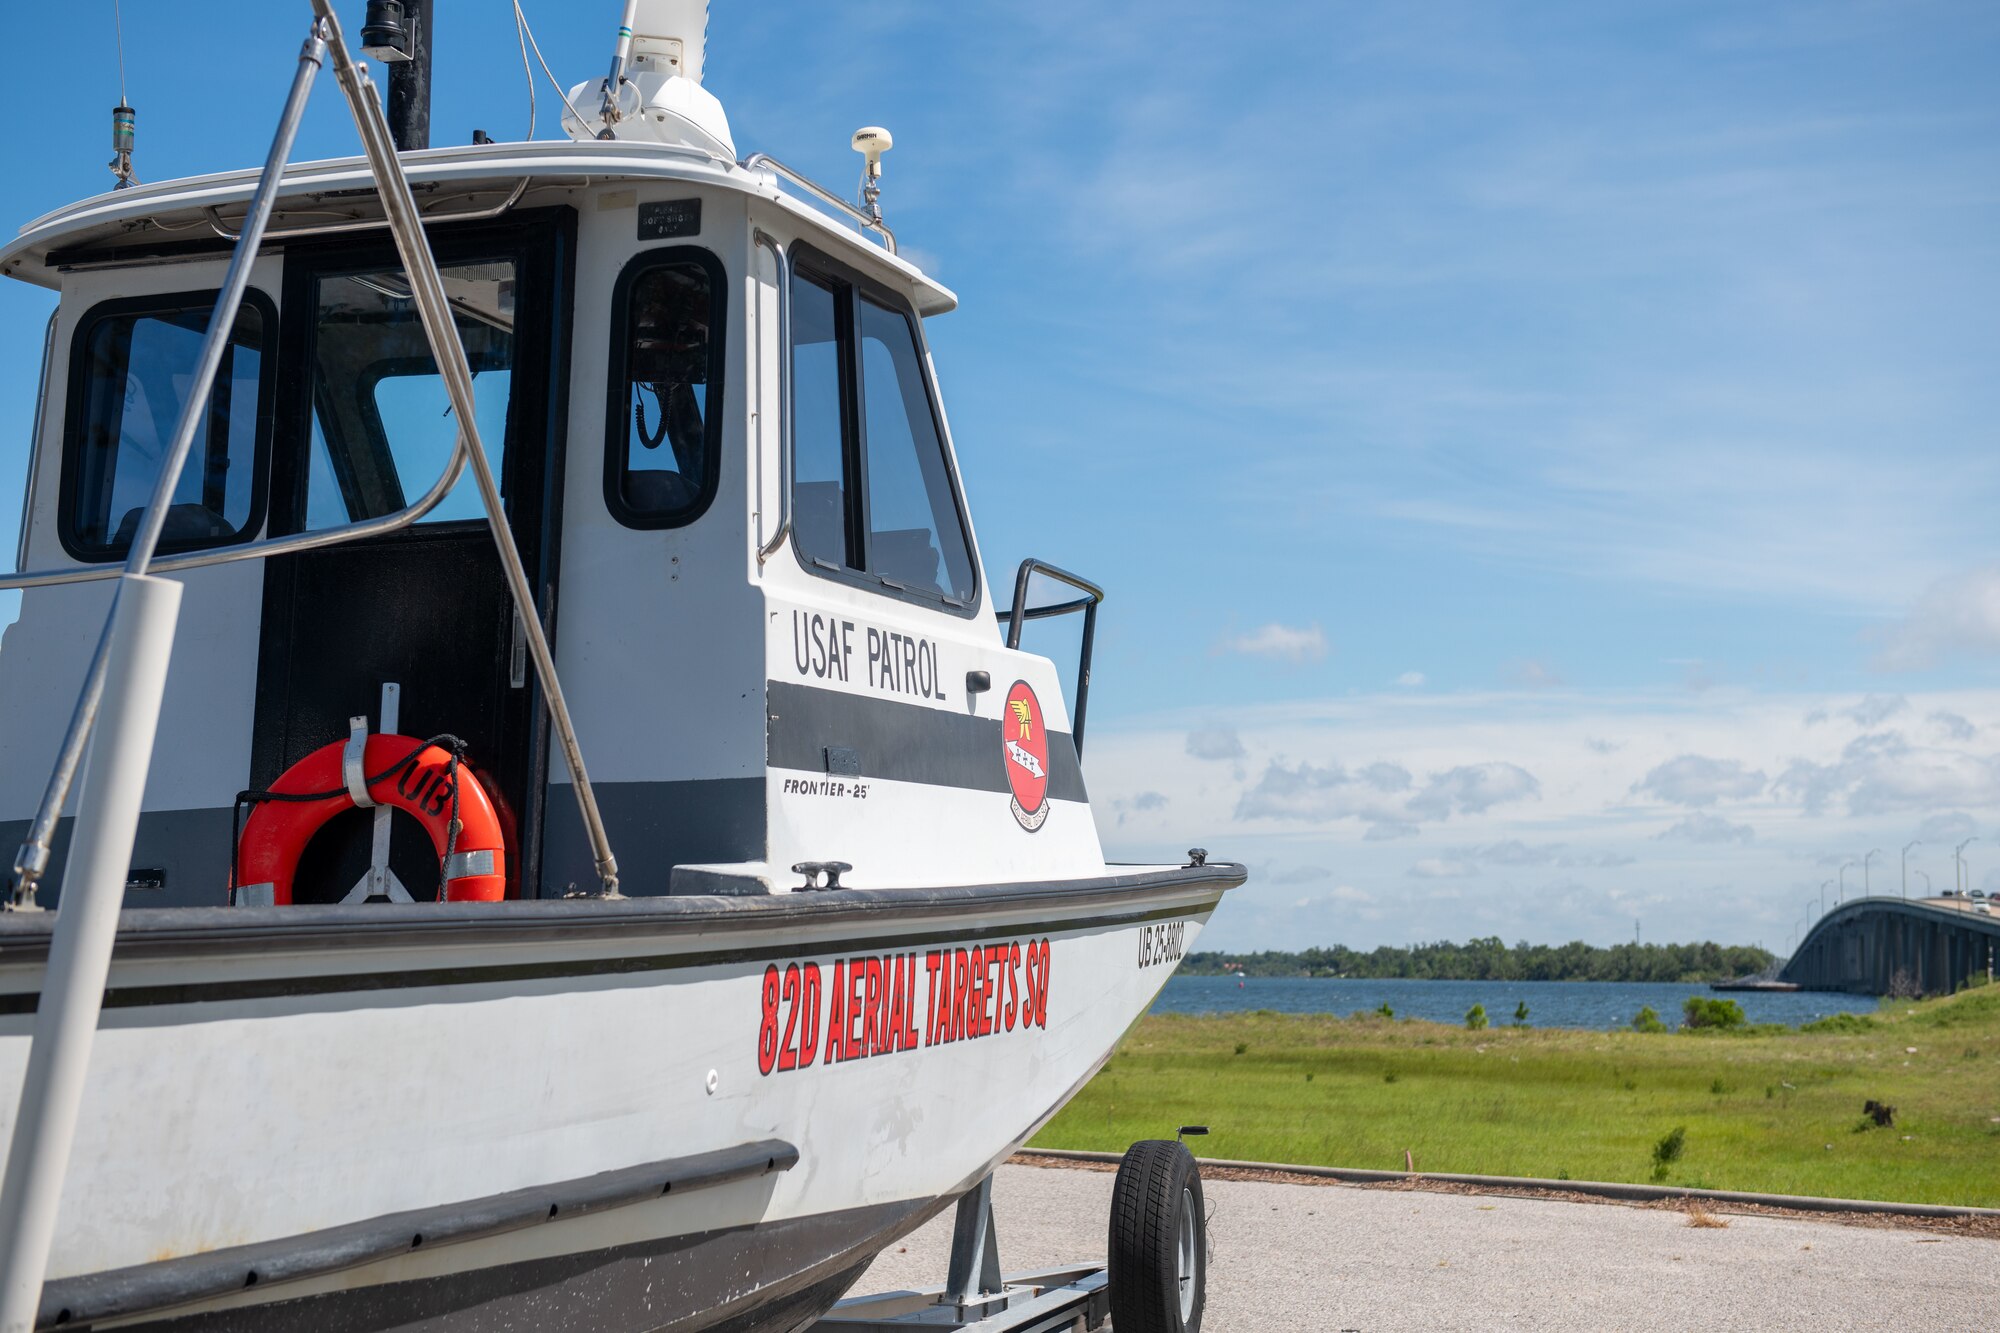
1490,960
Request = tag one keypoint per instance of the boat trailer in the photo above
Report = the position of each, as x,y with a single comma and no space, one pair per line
975,1297
1158,1240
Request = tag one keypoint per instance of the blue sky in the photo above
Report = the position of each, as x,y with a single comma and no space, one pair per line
1585,412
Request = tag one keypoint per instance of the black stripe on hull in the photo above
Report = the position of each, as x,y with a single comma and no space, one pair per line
771,1278
901,742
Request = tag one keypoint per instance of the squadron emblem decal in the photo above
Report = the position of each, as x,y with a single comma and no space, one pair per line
1026,746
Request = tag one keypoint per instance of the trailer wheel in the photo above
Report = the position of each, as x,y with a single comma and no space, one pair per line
1158,1270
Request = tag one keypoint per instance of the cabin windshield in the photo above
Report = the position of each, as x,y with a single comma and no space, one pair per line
382,425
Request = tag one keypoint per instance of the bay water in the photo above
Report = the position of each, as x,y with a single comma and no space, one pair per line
1557,1004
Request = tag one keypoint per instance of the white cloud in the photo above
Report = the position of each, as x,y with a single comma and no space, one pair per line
1876,709
1697,780
1883,773
1285,643
1579,854
1473,788
1514,852
1410,680
1954,726
1376,794
1704,827
1534,675
1340,893
1385,776
1951,826
1215,743
1316,794
1438,867
1956,614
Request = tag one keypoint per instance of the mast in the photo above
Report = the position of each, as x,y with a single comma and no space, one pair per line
410,82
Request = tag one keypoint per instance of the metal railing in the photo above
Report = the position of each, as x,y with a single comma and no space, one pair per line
127,681
784,271
1017,618
865,221
401,216
221,228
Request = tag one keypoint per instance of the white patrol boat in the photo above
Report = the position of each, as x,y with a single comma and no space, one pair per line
368,499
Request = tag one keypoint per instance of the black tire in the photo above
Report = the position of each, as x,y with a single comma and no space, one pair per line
1158,1270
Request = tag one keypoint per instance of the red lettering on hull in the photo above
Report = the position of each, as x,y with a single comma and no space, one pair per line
872,1002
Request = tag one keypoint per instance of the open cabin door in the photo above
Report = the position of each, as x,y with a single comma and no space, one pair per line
364,426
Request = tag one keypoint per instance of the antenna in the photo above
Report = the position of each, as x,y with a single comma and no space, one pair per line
124,120
614,82
871,141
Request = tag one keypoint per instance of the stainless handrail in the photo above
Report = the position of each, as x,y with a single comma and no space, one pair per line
268,546
765,162
399,205
33,858
35,443
784,263
34,855
370,224
1088,603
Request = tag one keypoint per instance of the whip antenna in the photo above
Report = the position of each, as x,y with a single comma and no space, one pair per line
124,120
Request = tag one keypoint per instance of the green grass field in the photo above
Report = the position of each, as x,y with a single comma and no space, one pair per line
1778,1111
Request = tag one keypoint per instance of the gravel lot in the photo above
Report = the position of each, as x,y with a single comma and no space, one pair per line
1334,1257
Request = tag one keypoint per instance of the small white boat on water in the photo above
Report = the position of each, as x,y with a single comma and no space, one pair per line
364,1005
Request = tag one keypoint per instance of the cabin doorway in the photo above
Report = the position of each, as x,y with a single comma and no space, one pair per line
364,427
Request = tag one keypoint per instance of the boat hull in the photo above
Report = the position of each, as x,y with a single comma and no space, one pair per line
663,1113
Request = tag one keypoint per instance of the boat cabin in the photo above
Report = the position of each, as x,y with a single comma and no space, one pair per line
726,463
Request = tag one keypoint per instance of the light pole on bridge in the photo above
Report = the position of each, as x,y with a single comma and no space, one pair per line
1914,842
1873,853
1927,883
1822,896
1842,895
1958,864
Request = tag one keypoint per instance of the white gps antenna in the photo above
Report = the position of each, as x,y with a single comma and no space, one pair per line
871,141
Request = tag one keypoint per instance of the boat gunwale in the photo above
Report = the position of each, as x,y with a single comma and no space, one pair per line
184,931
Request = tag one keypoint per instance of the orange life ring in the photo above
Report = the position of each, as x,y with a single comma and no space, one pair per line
276,834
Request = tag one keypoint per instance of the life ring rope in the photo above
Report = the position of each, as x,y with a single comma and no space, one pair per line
454,746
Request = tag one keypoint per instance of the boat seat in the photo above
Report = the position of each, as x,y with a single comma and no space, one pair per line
657,491
186,522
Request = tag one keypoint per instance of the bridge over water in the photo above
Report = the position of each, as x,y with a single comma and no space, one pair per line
1883,946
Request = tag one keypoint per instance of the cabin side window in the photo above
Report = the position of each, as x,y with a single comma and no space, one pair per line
873,497
663,424
132,365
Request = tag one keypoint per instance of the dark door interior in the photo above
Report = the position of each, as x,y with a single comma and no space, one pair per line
363,427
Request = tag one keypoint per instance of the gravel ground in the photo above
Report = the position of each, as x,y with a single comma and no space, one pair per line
1333,1257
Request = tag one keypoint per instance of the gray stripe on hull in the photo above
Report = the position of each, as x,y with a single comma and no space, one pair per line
770,1278
145,1288
654,826
191,846
902,742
